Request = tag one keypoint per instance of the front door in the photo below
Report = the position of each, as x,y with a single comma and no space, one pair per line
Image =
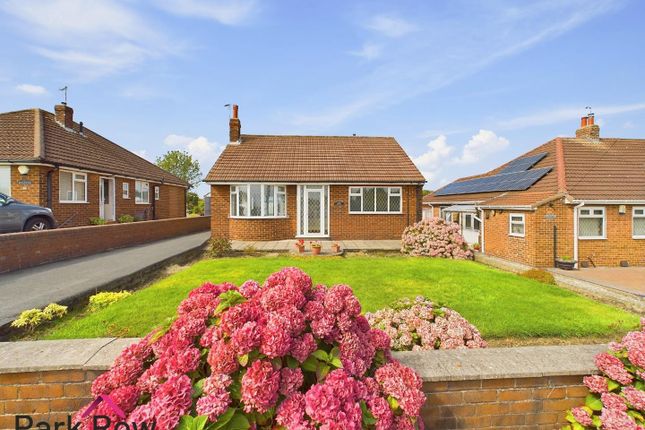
106,199
313,210
470,228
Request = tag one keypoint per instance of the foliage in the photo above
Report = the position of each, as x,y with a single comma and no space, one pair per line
419,324
435,237
195,205
315,244
617,395
219,247
95,220
282,355
32,318
182,165
106,298
540,276
124,219
496,302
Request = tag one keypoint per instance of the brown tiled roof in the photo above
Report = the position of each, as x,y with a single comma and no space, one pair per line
69,148
315,159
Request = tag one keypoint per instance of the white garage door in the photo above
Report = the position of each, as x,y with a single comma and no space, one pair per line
5,180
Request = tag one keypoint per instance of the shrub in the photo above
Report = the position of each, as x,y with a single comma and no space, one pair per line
54,311
284,355
95,220
617,395
103,300
419,324
124,219
220,247
32,318
540,276
435,237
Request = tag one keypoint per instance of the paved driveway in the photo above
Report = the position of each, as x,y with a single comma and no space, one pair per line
627,279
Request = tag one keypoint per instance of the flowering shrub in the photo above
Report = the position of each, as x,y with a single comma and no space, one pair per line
435,237
282,355
617,398
419,324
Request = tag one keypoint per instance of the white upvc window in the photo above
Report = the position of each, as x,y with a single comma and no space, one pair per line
126,190
517,225
592,222
375,200
638,222
157,192
258,201
72,187
142,192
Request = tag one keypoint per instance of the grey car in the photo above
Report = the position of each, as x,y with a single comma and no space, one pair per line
17,216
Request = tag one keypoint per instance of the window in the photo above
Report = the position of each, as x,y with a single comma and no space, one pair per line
72,187
142,192
5,180
258,201
591,223
638,223
126,190
374,199
517,226
157,191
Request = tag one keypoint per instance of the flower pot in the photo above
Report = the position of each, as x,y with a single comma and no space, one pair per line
335,249
301,248
315,250
565,265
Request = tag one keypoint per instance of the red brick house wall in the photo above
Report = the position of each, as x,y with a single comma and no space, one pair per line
342,224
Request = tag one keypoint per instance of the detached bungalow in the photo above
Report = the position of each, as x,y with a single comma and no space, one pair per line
47,159
579,197
336,187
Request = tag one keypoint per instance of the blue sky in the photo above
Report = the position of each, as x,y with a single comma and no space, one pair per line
462,85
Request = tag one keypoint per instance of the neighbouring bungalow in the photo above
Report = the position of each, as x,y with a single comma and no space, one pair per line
578,198
49,160
319,187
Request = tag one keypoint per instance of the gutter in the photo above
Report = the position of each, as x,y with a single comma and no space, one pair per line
610,202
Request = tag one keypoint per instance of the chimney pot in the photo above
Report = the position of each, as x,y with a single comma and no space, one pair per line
590,119
235,127
64,115
235,109
588,130
583,122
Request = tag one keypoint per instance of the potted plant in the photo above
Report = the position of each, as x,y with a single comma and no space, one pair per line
300,244
565,263
477,247
315,248
335,248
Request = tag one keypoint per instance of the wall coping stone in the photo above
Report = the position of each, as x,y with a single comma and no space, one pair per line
440,365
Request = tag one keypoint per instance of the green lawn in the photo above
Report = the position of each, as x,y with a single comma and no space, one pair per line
502,305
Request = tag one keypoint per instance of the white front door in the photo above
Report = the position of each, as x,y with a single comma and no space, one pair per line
313,210
470,228
107,207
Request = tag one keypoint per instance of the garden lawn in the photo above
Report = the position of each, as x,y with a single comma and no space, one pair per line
502,305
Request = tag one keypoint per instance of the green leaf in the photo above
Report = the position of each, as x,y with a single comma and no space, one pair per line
227,299
322,371
185,423
593,402
238,422
596,421
394,404
243,359
636,415
223,419
335,352
570,417
292,363
236,390
368,418
310,364
199,422
320,355
198,388
336,362
578,426
612,385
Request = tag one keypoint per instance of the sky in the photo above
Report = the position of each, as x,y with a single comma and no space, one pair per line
462,85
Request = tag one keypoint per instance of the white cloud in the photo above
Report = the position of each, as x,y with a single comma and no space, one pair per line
369,51
35,90
437,154
143,154
480,146
224,12
390,26
203,150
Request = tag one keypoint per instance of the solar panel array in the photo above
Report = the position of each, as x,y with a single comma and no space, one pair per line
515,181
523,164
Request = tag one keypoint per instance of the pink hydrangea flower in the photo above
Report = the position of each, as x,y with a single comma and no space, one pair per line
613,367
582,416
636,398
260,386
596,384
290,381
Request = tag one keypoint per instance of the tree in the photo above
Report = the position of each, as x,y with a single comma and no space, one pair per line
182,165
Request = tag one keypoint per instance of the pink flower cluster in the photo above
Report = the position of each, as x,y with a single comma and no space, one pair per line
284,353
619,387
419,325
435,237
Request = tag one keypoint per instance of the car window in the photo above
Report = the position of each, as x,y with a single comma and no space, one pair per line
3,199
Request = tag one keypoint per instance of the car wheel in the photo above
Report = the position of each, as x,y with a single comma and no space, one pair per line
37,224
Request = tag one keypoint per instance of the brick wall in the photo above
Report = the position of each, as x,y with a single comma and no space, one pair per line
342,224
34,248
498,243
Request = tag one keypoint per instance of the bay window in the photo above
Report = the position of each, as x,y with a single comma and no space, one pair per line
72,187
591,223
375,199
258,201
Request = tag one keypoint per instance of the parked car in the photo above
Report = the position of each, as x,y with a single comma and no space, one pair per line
17,216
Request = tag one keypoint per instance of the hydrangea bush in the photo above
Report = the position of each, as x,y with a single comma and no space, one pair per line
617,398
419,324
435,237
282,355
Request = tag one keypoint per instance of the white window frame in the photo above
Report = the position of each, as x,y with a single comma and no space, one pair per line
157,192
634,216
75,178
126,190
391,191
139,200
233,191
511,223
591,209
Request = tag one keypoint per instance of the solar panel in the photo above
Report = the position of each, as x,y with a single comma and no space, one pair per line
514,181
523,164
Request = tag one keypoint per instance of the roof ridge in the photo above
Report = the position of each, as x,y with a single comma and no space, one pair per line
319,135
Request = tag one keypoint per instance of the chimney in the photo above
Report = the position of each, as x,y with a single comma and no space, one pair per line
64,115
588,129
235,127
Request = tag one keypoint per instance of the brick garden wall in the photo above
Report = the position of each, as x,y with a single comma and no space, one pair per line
22,250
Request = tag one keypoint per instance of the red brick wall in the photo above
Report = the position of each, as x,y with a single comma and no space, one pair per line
342,224
34,248
498,243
